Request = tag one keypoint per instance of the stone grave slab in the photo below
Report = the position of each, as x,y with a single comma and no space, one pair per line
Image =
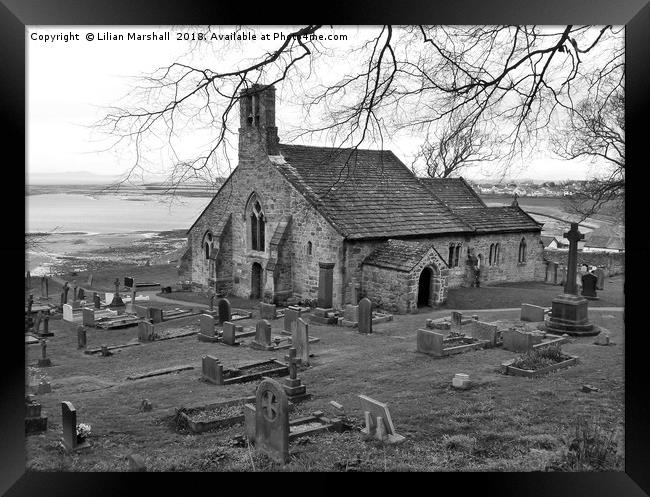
267,311
272,420
436,344
159,372
146,331
531,312
290,317
208,332
262,339
350,316
35,422
300,340
250,372
209,369
225,310
365,315
69,423
379,423
482,331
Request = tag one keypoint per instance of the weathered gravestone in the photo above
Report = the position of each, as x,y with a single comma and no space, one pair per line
430,342
141,312
267,311
156,315
461,381
69,423
516,341
600,274
81,294
262,339
44,361
272,420
128,282
81,337
34,420
351,315
37,321
225,310
209,366
456,318
46,326
531,312
97,301
290,317
74,291
482,331
117,300
66,289
88,317
68,314
89,282
379,423
325,284
589,282
551,272
146,331
365,316
229,335
207,333
300,341
292,385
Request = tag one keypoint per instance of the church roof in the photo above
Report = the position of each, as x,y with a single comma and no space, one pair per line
455,192
366,193
400,255
498,219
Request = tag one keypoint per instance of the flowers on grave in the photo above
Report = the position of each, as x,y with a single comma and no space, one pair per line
83,431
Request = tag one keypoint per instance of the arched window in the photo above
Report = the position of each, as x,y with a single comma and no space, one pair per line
207,244
257,223
497,253
454,254
309,246
491,257
522,250
457,255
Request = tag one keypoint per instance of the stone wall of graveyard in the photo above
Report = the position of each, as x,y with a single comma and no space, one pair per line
256,173
508,269
612,263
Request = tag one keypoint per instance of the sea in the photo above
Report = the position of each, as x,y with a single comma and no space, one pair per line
81,223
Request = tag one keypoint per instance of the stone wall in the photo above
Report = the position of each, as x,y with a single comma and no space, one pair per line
612,263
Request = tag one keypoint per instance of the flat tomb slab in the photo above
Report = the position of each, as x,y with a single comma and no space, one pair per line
216,415
508,368
111,347
253,372
122,321
160,372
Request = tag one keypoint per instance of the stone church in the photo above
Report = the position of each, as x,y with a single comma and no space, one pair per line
288,212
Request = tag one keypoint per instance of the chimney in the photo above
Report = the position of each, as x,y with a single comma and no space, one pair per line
257,117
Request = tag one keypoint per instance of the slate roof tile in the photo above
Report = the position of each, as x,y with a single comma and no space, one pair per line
455,192
498,219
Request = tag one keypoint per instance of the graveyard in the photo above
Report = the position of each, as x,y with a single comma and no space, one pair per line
489,421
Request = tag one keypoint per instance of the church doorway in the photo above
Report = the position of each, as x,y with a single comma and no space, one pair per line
256,281
424,287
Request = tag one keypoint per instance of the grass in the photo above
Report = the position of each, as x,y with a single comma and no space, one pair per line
445,429
540,358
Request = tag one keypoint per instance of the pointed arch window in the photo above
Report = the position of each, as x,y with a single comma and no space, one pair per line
257,226
309,248
454,254
208,245
522,251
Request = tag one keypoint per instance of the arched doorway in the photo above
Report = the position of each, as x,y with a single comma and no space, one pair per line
256,281
424,287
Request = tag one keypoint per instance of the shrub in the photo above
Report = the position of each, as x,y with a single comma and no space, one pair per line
539,358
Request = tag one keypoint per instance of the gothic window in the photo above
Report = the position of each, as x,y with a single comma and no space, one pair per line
309,247
207,245
454,254
257,224
522,250
491,257
450,261
497,253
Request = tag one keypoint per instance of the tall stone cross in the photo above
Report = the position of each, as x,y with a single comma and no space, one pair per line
293,363
573,235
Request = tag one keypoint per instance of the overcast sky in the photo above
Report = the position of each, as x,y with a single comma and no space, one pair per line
70,84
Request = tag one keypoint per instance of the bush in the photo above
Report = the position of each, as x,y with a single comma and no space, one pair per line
539,358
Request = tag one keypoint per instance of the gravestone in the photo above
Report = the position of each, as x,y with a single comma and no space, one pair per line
207,325
81,294
81,337
89,282
66,289
293,386
225,310
482,331
37,321
365,316
105,352
62,299
272,420
156,315
379,423
88,317
267,311
46,325
69,422
47,287
589,282
117,300
67,313
44,387
600,274
74,292
209,366
43,286
229,336
569,312
531,312
461,381
290,317
456,318
128,282
141,312
44,361
262,339
28,281
516,341
34,420
325,284
146,331
300,341
97,301
430,342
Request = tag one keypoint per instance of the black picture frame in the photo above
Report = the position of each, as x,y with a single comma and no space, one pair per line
635,14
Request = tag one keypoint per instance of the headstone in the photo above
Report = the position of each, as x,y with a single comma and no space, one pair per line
67,313
430,342
482,331
573,235
28,281
300,341
338,408
69,422
128,282
272,420
551,272
379,423
325,284
267,311
47,287
44,361
117,300
66,289
456,318
290,317
146,332
96,300
43,286
156,314
461,381
62,299
589,282
531,312
88,317
516,341
293,387
136,463
74,292
34,420
209,366
46,324
229,336
207,325
141,312
81,294
90,280
225,310
81,337
44,387
365,316
262,336
30,303
351,313
105,351
600,274
37,321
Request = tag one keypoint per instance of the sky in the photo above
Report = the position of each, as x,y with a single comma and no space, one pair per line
71,81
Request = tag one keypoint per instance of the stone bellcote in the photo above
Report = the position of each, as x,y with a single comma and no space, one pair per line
257,118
